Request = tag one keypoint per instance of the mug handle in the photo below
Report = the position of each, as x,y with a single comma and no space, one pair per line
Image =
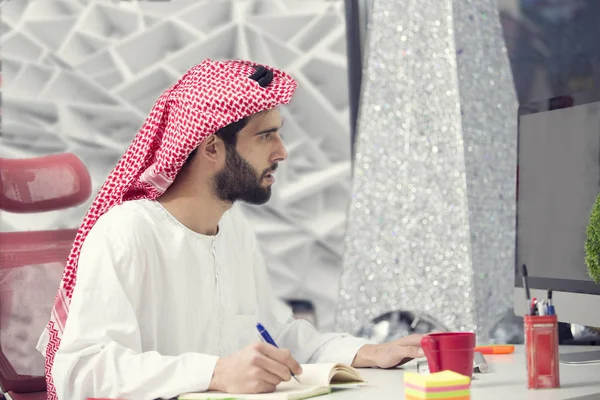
430,348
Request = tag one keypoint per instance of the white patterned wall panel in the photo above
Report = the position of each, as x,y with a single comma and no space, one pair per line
81,75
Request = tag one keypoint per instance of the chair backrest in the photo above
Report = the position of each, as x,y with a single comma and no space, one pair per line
26,297
47,183
32,262
19,249
31,266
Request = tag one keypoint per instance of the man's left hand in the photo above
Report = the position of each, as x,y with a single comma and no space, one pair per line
389,355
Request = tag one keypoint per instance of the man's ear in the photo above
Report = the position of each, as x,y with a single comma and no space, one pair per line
211,147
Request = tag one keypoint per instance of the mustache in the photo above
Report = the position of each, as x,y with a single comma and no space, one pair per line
270,170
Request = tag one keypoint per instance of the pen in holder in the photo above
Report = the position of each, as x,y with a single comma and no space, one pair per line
541,350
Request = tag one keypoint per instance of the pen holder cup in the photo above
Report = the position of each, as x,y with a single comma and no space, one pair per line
541,351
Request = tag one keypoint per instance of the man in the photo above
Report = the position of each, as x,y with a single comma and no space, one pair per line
166,282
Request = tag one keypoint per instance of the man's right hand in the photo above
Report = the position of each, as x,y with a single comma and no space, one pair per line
258,368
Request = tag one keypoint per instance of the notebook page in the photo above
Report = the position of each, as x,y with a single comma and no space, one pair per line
314,374
284,391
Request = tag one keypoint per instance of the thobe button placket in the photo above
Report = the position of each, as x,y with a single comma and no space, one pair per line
220,318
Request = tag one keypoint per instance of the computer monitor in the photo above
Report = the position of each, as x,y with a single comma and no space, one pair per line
558,179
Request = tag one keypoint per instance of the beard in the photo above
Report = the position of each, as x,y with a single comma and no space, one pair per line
238,180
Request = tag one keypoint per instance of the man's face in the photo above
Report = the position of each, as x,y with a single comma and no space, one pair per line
248,171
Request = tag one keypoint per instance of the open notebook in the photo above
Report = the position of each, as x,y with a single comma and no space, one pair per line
316,379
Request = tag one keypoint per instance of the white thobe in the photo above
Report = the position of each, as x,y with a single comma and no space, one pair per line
156,304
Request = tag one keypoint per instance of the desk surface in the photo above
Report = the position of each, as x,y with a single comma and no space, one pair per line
506,380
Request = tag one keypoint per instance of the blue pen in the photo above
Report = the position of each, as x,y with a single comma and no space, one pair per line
267,338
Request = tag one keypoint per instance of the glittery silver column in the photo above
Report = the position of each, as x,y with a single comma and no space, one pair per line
431,222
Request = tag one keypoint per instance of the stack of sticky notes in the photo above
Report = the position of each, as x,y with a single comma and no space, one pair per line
445,385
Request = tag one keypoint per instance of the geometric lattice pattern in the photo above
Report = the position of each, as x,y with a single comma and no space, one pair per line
81,76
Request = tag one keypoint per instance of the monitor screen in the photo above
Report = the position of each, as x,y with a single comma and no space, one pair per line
558,181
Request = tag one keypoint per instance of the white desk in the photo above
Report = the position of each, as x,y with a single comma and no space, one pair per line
506,380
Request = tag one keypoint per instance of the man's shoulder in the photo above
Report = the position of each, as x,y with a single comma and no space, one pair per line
129,212
122,232
132,218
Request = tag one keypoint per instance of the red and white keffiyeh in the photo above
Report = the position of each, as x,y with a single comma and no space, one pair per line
209,96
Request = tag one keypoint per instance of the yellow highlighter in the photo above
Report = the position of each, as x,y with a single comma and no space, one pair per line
496,349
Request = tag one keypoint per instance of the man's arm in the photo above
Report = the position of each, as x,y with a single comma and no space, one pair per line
101,349
299,336
308,345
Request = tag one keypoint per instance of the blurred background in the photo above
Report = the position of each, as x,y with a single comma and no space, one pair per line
80,76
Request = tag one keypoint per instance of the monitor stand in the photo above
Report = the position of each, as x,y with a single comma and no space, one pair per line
583,357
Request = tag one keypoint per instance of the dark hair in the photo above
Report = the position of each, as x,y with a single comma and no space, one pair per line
228,134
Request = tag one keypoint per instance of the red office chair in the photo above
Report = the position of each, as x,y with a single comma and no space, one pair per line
31,263
45,183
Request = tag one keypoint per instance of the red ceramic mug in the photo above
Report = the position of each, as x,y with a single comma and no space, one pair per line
452,351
